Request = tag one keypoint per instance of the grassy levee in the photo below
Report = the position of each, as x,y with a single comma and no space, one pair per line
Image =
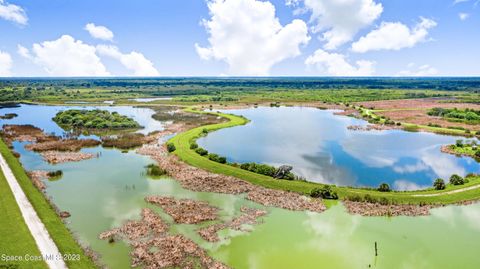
16,239
183,140
62,237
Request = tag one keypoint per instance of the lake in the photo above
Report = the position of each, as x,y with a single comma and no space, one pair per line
104,192
320,148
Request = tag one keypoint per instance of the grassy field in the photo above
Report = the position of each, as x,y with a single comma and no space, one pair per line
182,143
56,228
16,239
410,126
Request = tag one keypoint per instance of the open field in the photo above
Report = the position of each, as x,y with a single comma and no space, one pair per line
182,143
414,111
218,90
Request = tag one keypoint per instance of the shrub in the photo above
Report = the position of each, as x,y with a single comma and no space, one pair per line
171,147
457,180
201,151
384,187
439,184
459,143
325,192
53,174
219,159
193,145
477,154
155,170
205,131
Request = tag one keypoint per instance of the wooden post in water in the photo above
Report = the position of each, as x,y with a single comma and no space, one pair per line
376,252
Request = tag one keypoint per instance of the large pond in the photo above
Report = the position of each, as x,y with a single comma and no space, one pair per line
102,193
320,147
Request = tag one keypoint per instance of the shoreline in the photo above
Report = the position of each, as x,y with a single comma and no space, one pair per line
182,142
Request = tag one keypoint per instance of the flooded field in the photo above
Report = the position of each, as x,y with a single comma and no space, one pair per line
104,192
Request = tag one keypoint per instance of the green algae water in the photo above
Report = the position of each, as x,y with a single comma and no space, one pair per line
104,192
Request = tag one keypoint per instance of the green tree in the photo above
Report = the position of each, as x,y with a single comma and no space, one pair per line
439,184
384,187
457,180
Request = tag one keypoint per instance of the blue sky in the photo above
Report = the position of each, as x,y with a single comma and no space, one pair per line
240,38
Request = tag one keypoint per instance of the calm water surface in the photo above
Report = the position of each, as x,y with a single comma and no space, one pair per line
104,192
320,148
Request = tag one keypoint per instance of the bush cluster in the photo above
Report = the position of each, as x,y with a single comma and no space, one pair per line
216,158
155,170
262,169
201,151
211,156
467,115
324,192
53,174
457,180
370,199
93,119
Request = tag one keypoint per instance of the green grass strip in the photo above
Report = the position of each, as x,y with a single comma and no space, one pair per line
16,239
62,237
183,140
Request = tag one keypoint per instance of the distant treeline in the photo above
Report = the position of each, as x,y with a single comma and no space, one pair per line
453,84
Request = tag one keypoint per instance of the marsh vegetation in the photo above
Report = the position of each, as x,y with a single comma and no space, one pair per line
94,119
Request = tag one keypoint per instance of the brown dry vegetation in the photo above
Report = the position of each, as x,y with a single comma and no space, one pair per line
63,145
153,247
56,157
199,180
127,141
37,177
415,111
53,149
25,133
375,209
185,211
189,120
249,216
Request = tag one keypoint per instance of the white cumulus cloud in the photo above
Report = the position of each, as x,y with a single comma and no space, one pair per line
339,20
65,57
24,52
405,185
5,64
463,16
133,61
99,32
335,64
14,13
421,71
249,38
394,36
